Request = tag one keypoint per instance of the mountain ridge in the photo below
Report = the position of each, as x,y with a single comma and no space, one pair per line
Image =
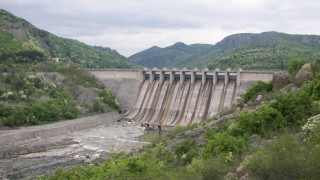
64,49
162,57
273,47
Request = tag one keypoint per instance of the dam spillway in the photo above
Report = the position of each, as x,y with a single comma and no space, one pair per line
177,97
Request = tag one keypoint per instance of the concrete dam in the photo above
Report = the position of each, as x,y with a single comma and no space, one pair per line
177,97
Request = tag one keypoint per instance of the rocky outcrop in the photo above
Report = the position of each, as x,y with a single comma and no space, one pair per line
17,30
280,79
303,75
85,95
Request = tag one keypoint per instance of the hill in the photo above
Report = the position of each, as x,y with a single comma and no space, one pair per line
36,89
268,50
19,35
169,56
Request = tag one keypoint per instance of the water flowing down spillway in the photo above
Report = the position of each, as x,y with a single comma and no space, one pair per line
181,102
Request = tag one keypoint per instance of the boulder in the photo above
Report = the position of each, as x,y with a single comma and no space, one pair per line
230,176
280,79
303,75
259,98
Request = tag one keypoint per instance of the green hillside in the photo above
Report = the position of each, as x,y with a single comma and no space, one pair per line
35,89
18,35
168,57
268,50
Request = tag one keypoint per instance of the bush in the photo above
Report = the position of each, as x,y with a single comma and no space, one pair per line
286,158
223,143
295,65
187,150
259,87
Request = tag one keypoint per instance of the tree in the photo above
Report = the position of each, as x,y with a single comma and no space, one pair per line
295,65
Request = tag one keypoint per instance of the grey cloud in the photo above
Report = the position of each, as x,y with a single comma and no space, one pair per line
132,18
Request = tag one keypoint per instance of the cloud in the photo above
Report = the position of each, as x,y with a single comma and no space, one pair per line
134,25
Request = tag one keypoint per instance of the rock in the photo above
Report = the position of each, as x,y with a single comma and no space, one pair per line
240,171
255,141
85,95
82,158
280,79
240,105
95,156
245,177
76,156
230,176
303,75
87,161
259,98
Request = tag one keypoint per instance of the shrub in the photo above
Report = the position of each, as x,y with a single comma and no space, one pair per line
224,143
286,158
295,65
187,150
259,87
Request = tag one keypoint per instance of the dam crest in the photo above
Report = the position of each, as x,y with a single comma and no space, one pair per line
177,97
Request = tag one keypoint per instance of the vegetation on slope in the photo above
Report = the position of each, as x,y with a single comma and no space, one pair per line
36,90
279,140
268,50
32,38
168,57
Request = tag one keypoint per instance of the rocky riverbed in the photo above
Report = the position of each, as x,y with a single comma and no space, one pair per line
72,149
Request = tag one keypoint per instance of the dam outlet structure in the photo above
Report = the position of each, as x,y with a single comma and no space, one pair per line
174,97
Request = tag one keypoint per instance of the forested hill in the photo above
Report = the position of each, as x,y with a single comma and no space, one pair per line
18,35
268,50
172,56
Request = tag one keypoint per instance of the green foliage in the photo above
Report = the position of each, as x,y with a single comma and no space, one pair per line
66,49
109,98
171,56
23,89
293,107
295,65
223,143
62,48
266,119
187,150
8,43
286,158
39,112
254,90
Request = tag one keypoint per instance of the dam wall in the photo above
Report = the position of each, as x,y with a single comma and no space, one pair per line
125,84
177,97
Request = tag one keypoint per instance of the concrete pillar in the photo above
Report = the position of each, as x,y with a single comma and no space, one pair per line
151,76
141,76
214,77
239,77
226,77
193,77
171,77
161,78
204,77
181,77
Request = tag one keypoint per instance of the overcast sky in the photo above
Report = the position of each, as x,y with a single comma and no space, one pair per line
130,26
